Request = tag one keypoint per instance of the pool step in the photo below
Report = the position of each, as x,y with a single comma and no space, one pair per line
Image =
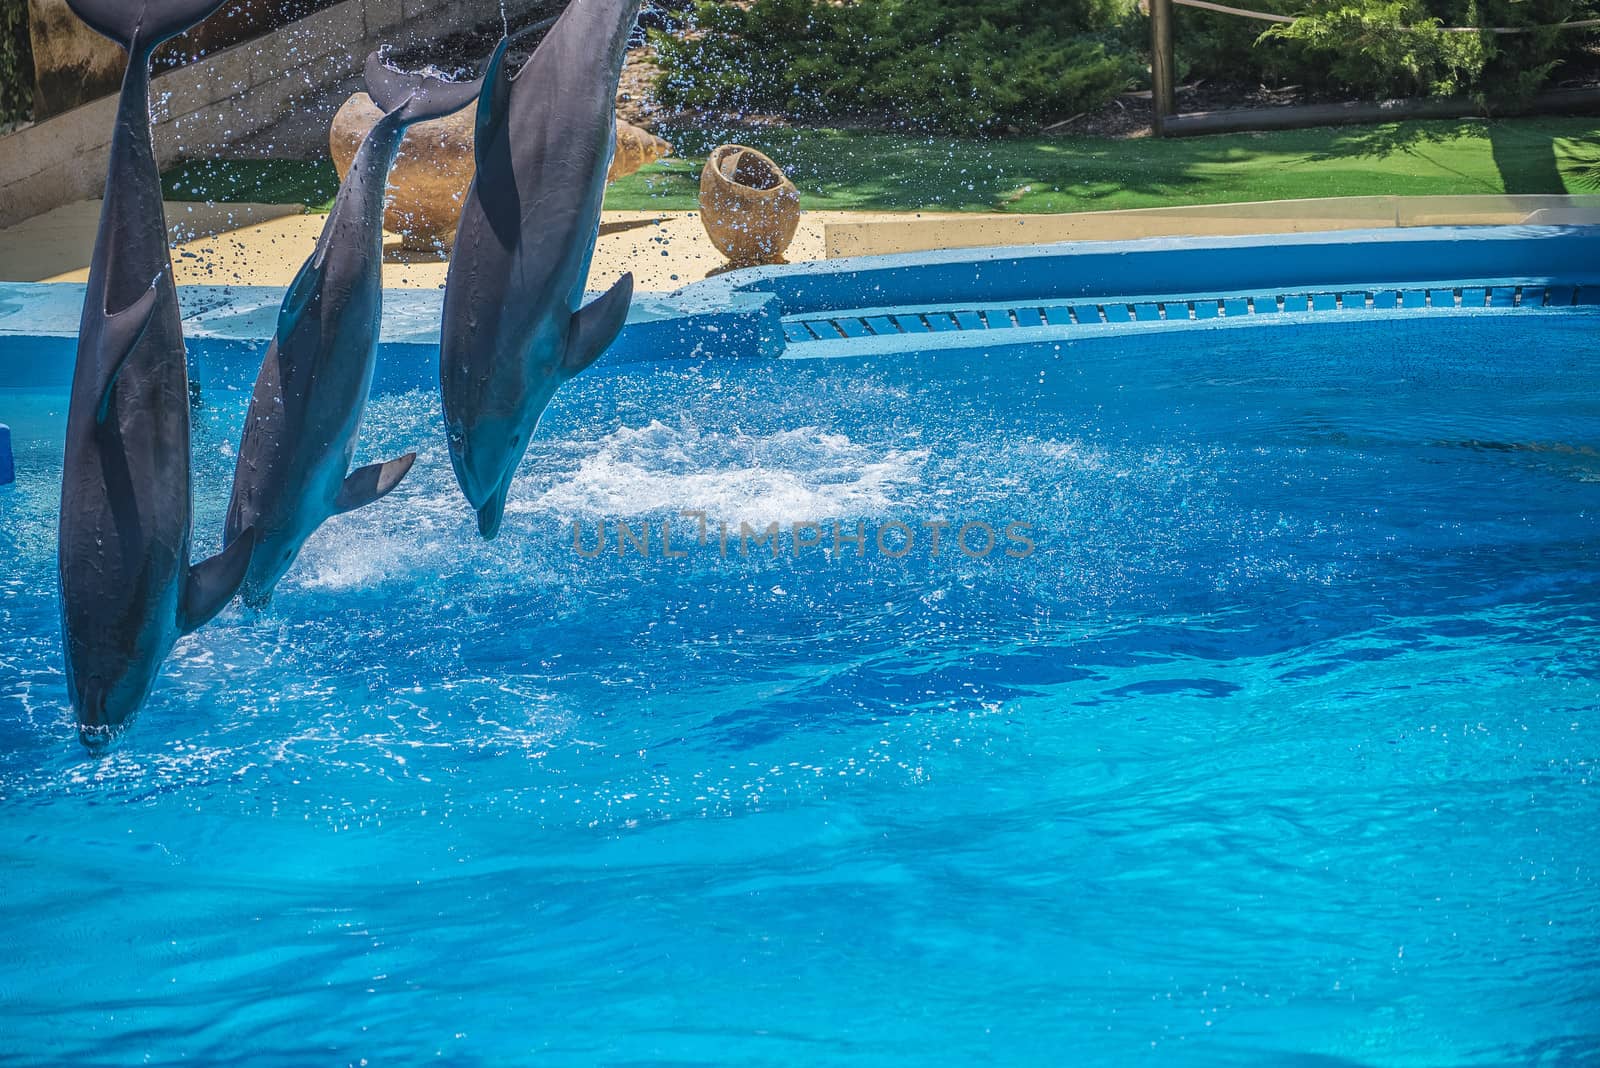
802,328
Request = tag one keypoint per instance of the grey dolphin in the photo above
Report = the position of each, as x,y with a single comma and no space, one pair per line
305,414
512,331
127,590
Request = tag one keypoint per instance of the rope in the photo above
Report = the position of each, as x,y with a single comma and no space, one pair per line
1241,12
1223,9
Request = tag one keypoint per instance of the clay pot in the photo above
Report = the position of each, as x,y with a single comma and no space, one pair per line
434,168
749,209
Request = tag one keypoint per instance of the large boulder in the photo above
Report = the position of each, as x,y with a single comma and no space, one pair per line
72,64
435,166
635,149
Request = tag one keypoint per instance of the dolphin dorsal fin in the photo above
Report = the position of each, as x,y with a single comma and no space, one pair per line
493,100
367,484
595,327
212,583
121,335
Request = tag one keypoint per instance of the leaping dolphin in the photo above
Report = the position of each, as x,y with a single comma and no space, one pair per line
512,330
305,414
127,590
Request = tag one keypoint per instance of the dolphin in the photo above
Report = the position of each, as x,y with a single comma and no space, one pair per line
127,589
305,414
512,330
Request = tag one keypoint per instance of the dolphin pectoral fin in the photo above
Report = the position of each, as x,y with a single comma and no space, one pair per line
493,101
212,583
493,511
120,335
367,484
301,291
595,327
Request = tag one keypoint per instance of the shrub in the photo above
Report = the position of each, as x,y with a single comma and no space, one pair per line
962,65
1517,66
1388,48
16,63
1383,48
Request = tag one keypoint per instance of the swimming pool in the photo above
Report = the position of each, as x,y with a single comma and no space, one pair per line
1273,741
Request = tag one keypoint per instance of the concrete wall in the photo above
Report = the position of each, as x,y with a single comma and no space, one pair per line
225,97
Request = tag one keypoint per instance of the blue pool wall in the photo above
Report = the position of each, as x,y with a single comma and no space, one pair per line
752,314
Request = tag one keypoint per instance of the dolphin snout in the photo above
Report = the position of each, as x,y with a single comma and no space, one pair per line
100,741
101,723
493,511
484,467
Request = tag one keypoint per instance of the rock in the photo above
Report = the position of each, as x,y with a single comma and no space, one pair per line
749,208
635,149
72,64
435,167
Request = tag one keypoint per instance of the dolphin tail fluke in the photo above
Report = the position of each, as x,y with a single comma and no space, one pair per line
370,483
417,97
595,327
212,583
493,510
140,27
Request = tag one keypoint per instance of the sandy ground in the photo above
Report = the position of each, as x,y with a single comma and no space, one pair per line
242,244
259,244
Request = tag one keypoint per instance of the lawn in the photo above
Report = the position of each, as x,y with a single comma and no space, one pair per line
849,171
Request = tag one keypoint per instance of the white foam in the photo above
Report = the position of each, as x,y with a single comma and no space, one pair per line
788,475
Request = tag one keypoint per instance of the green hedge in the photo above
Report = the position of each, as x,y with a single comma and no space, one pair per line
963,65
980,65
16,63
1389,48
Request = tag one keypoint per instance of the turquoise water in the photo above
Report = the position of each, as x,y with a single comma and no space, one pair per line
1278,748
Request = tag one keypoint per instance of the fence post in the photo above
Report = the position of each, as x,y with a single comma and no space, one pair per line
1163,74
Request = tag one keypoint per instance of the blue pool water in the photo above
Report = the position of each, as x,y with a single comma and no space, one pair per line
1279,748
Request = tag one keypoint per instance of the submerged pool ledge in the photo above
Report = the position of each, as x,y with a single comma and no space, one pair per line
227,328
901,302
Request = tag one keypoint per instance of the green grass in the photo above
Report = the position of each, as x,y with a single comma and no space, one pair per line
854,171
253,181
